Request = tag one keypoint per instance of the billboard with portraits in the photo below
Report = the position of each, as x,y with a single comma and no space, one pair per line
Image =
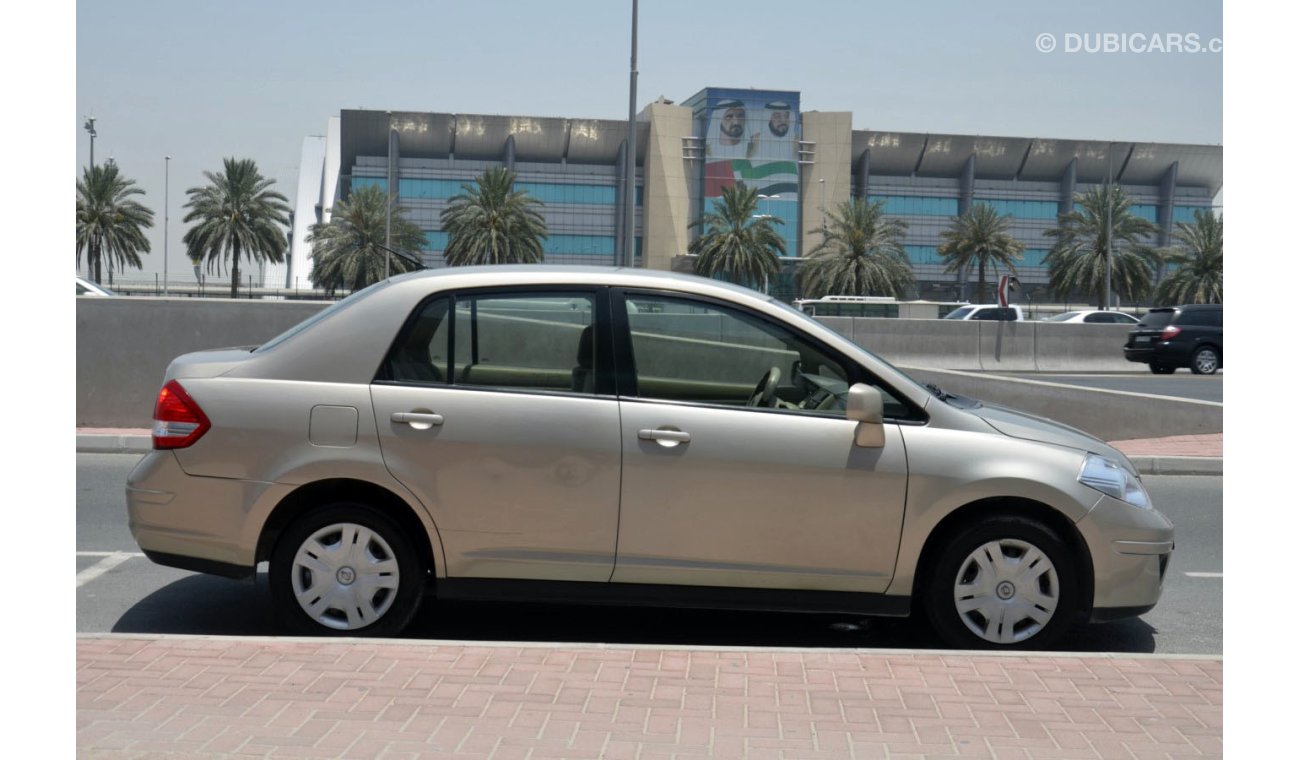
751,136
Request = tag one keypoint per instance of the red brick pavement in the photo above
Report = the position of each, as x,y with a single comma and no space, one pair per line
176,697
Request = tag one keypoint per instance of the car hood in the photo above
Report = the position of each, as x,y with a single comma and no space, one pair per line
1018,424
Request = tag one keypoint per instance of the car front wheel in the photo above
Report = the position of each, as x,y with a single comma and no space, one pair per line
345,569
1205,361
1003,583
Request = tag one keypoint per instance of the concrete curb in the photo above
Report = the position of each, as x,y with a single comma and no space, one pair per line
99,443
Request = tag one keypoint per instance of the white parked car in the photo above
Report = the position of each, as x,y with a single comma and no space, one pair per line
1095,317
987,311
88,288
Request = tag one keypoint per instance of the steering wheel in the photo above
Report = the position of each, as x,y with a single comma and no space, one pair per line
765,391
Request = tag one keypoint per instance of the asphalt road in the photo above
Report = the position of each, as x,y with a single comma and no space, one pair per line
120,591
1181,384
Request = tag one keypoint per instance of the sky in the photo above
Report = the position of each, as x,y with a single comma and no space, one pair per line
204,81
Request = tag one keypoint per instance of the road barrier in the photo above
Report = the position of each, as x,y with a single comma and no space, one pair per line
125,344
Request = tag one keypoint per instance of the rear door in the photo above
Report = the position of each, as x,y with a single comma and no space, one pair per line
496,409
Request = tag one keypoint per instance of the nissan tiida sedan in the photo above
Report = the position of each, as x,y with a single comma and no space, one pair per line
594,435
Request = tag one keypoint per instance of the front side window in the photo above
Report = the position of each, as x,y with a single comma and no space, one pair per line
696,352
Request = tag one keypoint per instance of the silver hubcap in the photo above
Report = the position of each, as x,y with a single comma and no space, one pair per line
1206,361
345,576
1006,591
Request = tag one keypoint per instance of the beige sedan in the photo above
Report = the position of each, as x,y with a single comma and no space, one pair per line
629,437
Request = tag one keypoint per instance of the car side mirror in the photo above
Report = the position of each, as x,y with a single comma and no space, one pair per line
866,406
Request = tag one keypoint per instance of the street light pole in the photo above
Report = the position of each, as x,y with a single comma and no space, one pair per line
90,127
629,188
167,167
388,194
1106,306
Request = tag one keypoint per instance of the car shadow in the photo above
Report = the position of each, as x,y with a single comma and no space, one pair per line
205,605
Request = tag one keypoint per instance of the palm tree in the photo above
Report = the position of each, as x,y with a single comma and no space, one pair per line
109,223
1199,261
349,250
492,223
238,216
1077,261
736,242
981,236
861,253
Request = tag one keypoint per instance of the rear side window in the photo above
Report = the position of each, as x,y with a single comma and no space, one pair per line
996,315
1201,318
420,354
1158,319
540,342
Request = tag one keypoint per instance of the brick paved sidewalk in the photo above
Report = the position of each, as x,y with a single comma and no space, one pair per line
208,697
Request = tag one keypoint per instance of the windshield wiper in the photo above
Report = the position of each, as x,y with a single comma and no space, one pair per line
939,393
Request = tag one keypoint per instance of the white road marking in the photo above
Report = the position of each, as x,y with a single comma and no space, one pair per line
110,560
1204,575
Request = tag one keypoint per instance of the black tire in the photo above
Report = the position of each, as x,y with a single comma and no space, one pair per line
364,603
957,563
1205,360
1161,369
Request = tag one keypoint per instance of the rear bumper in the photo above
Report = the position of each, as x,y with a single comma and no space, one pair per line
208,525
1164,352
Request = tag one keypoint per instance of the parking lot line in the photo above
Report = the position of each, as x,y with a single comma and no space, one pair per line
110,560
1204,575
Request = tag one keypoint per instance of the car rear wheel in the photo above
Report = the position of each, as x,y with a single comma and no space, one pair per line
1003,583
1205,361
1161,369
345,569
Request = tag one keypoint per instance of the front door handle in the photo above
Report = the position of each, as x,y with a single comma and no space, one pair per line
664,437
418,420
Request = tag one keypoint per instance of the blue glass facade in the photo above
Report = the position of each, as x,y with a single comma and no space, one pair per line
916,205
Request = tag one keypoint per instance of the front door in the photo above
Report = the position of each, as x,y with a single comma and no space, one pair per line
739,467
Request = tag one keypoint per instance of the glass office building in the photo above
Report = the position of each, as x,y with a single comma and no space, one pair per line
803,163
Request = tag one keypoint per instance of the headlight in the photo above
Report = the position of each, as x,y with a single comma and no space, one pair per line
1107,476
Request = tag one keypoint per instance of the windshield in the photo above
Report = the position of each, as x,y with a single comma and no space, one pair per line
1066,317
334,308
959,313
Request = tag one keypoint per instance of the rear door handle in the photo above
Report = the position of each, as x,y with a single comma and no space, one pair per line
418,420
664,436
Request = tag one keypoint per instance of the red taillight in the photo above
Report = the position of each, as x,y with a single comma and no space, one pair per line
177,420
1170,332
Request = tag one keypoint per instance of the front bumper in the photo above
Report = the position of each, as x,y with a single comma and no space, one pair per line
196,523
1131,550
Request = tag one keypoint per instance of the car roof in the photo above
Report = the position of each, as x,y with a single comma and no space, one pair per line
495,275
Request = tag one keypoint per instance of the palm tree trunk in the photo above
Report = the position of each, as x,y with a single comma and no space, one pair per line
94,255
979,290
234,273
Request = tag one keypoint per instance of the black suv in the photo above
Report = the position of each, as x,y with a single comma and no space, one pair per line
1179,336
